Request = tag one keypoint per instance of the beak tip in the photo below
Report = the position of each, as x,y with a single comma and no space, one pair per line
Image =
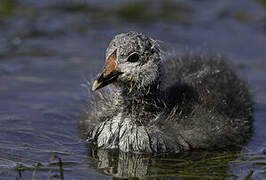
95,85
102,81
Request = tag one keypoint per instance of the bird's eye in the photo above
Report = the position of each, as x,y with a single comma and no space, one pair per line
134,57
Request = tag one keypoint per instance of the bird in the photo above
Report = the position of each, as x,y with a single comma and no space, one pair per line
144,102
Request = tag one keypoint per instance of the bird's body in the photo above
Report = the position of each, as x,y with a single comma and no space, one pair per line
171,105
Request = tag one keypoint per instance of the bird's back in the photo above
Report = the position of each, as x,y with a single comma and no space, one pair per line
212,106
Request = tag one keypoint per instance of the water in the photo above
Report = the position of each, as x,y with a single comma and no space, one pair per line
49,48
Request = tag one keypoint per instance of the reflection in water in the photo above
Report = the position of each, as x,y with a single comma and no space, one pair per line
195,165
123,165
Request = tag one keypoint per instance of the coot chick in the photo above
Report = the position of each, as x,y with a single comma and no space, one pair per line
165,105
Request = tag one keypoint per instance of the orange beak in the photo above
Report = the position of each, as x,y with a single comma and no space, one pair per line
109,75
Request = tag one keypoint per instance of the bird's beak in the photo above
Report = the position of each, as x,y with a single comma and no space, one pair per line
109,74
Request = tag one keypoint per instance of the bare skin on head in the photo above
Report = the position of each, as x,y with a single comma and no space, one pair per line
109,74
130,57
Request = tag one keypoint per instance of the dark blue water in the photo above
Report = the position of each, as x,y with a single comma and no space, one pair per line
49,48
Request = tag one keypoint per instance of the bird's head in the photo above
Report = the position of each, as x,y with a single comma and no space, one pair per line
132,61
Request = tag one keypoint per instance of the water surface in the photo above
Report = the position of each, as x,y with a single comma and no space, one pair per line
49,48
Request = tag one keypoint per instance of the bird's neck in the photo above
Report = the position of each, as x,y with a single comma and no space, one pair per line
142,101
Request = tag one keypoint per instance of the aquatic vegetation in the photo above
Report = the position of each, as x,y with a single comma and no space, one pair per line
249,176
262,2
7,6
139,11
76,7
143,11
264,151
134,11
243,17
49,168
